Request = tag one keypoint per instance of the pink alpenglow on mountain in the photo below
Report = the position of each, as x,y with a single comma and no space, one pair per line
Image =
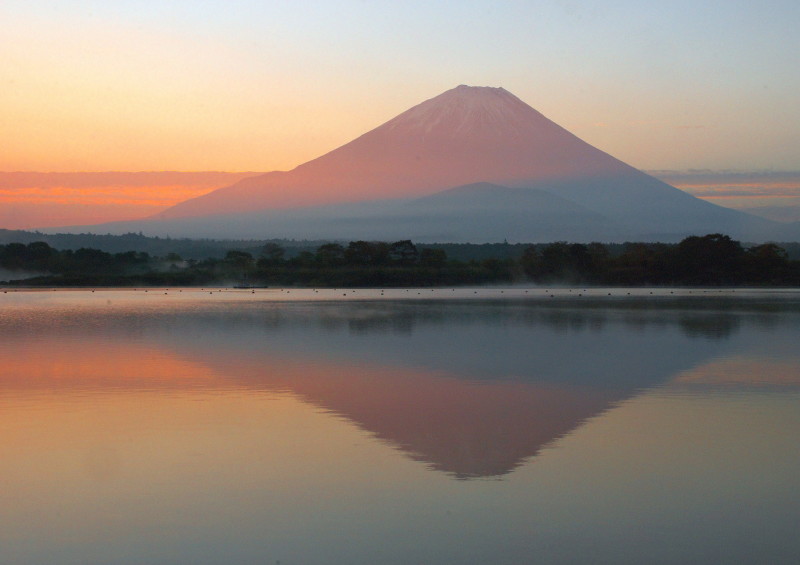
474,164
465,135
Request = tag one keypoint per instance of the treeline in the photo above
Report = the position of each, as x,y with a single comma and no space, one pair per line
711,260
360,263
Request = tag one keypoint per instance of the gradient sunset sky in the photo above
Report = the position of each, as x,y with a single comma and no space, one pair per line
260,85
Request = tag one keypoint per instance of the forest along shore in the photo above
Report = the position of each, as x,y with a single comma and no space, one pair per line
709,260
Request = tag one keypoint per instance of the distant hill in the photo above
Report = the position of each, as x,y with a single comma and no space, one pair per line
156,246
476,213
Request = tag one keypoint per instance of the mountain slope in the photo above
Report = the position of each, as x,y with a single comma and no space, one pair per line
465,135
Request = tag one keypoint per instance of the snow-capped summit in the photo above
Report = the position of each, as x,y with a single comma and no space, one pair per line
467,110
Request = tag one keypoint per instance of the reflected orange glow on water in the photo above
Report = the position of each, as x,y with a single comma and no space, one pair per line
102,465
461,427
77,365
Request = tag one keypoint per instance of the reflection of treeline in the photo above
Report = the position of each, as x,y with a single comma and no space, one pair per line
713,259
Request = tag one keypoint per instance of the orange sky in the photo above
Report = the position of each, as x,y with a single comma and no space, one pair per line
90,86
31,200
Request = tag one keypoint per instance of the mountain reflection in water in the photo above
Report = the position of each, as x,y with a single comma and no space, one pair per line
473,390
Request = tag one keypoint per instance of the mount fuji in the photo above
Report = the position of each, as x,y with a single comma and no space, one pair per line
472,164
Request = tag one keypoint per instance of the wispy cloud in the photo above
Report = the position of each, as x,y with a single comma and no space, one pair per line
739,189
29,200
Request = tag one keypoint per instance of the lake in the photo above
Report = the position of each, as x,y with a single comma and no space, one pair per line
407,426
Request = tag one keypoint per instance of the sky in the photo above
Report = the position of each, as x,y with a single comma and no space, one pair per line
259,85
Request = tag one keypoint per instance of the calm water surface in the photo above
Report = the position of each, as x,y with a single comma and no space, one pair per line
399,426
